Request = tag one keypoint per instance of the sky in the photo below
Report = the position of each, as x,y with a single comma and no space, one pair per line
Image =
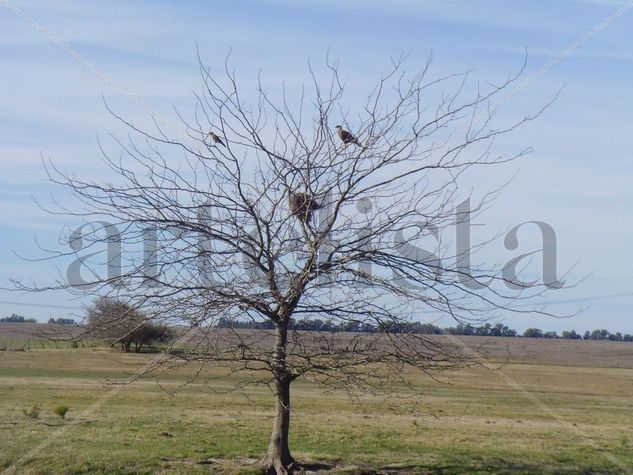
60,60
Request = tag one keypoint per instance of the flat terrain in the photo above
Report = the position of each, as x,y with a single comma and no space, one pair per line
543,407
608,354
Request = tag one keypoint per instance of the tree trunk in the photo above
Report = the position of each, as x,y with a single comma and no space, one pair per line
278,460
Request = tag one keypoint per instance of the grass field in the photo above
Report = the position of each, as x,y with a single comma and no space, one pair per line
520,418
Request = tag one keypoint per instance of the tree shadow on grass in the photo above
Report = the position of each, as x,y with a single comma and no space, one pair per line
459,467
487,467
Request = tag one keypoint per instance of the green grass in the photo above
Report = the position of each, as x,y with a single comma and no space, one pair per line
475,424
43,344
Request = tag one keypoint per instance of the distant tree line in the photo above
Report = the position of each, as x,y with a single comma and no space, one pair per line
15,318
140,334
487,329
572,335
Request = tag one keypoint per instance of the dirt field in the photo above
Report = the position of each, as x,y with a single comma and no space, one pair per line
604,354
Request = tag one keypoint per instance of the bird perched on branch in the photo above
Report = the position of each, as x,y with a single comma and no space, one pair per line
302,205
346,136
215,139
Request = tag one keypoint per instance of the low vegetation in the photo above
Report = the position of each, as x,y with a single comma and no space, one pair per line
32,412
472,421
61,410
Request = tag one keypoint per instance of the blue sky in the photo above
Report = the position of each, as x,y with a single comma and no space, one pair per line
578,179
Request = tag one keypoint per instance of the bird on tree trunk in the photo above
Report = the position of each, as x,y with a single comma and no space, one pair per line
215,139
347,136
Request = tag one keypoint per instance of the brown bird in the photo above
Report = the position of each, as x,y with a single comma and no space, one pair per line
215,139
302,205
346,136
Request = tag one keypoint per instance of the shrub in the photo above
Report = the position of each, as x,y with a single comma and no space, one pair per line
61,411
624,441
33,412
120,323
62,321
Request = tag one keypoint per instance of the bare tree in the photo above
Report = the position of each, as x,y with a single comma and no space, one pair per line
232,245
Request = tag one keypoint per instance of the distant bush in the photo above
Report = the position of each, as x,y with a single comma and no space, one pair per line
603,335
32,412
121,324
62,321
533,333
61,411
572,335
460,330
